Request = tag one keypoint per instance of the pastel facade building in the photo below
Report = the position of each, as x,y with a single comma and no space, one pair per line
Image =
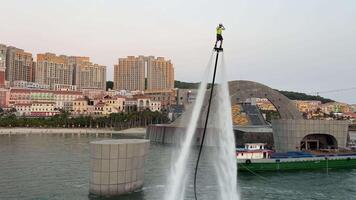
335,107
23,109
265,104
43,109
86,74
167,97
129,73
33,85
52,69
4,97
59,99
63,99
130,104
64,87
160,73
19,65
93,93
3,50
36,109
80,107
116,102
308,106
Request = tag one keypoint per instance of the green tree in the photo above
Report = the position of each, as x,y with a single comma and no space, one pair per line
109,85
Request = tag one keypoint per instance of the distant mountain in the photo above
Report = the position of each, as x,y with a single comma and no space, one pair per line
306,97
186,85
291,95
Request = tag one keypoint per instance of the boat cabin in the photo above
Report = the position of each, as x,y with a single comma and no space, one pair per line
254,146
253,151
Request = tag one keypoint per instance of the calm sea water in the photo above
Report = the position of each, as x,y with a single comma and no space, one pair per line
57,167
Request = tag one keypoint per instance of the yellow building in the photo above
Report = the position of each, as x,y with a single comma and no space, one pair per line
307,106
129,73
52,69
86,74
43,109
265,104
160,74
102,108
116,102
80,107
335,107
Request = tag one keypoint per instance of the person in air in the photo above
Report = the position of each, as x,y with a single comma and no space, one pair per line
219,37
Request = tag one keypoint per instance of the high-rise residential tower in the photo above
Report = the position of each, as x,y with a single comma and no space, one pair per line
52,69
129,73
3,50
160,74
18,65
86,74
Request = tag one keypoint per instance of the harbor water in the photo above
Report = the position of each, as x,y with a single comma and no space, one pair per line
57,167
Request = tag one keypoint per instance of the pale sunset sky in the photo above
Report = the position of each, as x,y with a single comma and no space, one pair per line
297,45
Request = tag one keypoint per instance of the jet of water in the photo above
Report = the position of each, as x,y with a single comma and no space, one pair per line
220,136
178,174
225,162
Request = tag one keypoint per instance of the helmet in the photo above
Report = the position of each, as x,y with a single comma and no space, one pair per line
220,24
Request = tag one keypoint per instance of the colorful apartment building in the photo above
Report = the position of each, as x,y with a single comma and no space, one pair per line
4,97
167,97
307,106
52,69
60,99
3,50
335,107
19,65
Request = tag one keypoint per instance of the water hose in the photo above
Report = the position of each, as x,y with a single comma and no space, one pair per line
206,123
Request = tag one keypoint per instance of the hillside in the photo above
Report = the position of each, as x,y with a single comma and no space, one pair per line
302,96
290,94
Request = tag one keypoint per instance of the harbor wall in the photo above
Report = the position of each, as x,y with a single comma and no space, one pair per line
288,133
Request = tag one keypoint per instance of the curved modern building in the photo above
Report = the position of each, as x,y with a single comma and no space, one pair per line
289,133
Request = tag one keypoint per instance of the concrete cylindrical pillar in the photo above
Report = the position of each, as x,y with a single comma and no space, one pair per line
117,166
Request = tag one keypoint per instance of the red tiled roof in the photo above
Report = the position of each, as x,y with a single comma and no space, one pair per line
353,115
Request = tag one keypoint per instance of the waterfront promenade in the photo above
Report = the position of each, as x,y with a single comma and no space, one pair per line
136,132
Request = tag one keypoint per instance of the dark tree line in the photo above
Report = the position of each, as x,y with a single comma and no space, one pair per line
64,120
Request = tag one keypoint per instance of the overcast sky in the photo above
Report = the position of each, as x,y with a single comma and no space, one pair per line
298,45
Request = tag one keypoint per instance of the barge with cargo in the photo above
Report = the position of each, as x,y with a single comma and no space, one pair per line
254,157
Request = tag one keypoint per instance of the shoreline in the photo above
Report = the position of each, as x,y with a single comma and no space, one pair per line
138,132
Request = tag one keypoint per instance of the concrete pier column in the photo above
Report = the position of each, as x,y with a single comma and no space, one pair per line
117,166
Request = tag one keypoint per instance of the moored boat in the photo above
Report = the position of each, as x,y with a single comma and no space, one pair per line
265,160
